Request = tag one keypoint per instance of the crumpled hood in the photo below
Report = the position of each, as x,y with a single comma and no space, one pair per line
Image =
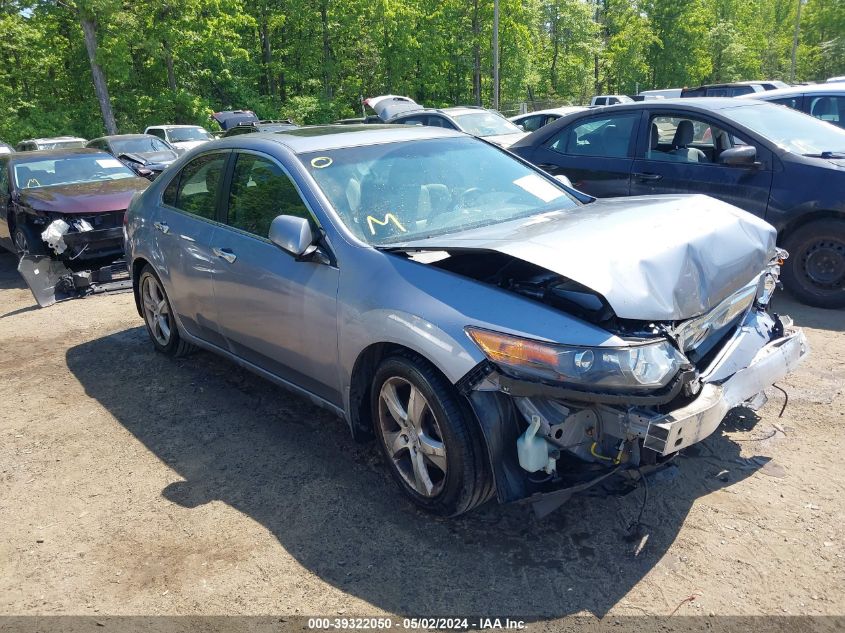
85,197
656,258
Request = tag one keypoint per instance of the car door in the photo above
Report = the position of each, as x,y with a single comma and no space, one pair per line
5,205
184,226
667,163
276,312
595,153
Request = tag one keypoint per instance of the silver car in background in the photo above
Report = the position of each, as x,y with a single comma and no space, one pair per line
498,332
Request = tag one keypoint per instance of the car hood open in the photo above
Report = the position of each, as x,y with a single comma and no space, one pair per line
84,197
388,106
660,258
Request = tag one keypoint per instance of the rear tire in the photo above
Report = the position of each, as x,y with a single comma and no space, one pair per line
815,270
430,442
158,316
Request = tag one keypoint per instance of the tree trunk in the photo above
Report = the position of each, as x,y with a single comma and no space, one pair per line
168,61
89,29
476,55
327,50
555,49
267,56
795,39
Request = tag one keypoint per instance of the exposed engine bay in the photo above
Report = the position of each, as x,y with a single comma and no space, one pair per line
567,437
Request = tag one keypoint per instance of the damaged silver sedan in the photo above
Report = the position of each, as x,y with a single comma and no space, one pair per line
498,332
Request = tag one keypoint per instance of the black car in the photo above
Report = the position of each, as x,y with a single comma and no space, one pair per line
777,163
145,154
269,125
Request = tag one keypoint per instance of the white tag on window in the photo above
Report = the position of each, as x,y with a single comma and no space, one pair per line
539,187
108,162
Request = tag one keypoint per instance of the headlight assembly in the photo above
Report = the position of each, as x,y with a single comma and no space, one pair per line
637,367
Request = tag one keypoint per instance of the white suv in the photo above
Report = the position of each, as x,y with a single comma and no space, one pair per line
182,137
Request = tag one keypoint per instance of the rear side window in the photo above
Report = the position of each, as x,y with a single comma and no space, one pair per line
608,136
157,132
829,108
790,102
260,191
531,123
195,190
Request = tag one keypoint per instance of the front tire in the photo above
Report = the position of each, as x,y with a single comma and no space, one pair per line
27,241
815,270
428,438
158,315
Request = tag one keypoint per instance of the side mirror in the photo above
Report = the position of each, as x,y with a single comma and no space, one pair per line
564,181
743,156
292,234
520,126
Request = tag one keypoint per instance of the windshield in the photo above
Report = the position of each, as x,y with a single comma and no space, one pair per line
68,170
484,123
397,192
139,145
181,134
787,128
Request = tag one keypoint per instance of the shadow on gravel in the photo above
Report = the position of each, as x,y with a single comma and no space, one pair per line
293,468
9,276
808,316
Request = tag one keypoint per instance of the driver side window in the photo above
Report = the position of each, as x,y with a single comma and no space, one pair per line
260,191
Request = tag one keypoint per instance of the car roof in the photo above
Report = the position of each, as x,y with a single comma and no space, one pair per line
700,103
560,110
328,137
47,154
727,84
821,89
122,137
172,125
52,138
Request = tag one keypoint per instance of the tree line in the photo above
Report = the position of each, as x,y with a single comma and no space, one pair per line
85,67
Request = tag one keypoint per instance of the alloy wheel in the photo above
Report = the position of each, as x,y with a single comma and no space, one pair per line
20,242
412,436
156,311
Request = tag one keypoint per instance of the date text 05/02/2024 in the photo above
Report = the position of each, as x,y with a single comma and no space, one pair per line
423,623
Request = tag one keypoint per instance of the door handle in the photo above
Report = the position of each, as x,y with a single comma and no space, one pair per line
162,226
644,176
225,253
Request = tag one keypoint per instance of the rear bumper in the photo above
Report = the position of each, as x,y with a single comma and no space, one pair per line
749,363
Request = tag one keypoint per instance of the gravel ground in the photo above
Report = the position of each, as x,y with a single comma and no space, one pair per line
137,484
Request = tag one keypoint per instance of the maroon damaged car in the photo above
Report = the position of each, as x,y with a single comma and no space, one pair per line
67,204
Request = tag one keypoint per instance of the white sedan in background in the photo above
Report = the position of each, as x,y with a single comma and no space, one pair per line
532,121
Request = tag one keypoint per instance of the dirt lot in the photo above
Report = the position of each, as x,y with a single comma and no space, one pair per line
136,484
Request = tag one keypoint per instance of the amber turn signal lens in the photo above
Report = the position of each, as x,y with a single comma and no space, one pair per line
512,350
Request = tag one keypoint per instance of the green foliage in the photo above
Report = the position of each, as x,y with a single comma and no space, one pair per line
176,61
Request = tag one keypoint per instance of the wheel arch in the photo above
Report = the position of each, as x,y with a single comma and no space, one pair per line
806,218
138,265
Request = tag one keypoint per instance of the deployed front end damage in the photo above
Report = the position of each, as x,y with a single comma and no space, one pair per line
557,419
78,255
